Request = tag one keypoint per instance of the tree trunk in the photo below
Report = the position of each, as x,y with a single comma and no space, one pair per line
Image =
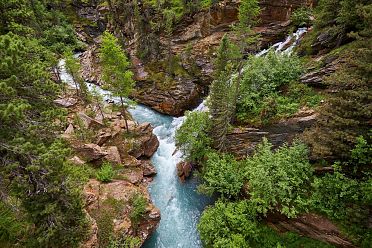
124,113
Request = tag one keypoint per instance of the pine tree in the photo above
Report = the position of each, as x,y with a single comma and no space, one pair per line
221,94
115,64
73,68
347,112
248,14
33,165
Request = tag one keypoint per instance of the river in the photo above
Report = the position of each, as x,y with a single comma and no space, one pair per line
179,203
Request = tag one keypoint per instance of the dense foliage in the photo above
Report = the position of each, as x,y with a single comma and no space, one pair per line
192,137
222,175
270,89
40,193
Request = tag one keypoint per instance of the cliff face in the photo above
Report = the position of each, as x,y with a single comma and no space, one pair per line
189,51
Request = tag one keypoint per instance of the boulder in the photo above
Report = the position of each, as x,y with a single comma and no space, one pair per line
76,160
184,170
148,168
68,132
146,143
113,154
89,122
91,152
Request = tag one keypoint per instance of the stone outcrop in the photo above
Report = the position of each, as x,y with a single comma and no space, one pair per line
315,77
310,225
184,170
96,194
243,141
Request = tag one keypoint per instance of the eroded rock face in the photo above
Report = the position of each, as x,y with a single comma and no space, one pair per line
96,194
243,141
202,32
311,225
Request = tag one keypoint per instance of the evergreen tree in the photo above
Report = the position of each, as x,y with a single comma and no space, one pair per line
73,68
347,112
115,71
247,16
33,175
221,93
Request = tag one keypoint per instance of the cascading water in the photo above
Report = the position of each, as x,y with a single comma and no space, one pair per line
179,203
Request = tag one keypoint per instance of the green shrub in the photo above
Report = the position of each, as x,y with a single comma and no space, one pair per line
139,204
106,173
261,85
301,17
279,180
237,224
221,174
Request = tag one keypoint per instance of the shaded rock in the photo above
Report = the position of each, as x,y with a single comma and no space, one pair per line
66,102
91,152
89,122
316,78
113,155
184,170
148,169
175,100
68,132
242,141
311,225
146,144
103,137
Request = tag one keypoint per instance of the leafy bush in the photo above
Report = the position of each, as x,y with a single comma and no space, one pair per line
279,179
346,201
192,137
221,174
106,173
228,225
263,79
301,17
237,224
139,204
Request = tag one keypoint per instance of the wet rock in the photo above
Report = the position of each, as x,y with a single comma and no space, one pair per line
184,170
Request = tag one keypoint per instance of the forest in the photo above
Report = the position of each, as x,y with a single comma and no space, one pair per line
185,123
